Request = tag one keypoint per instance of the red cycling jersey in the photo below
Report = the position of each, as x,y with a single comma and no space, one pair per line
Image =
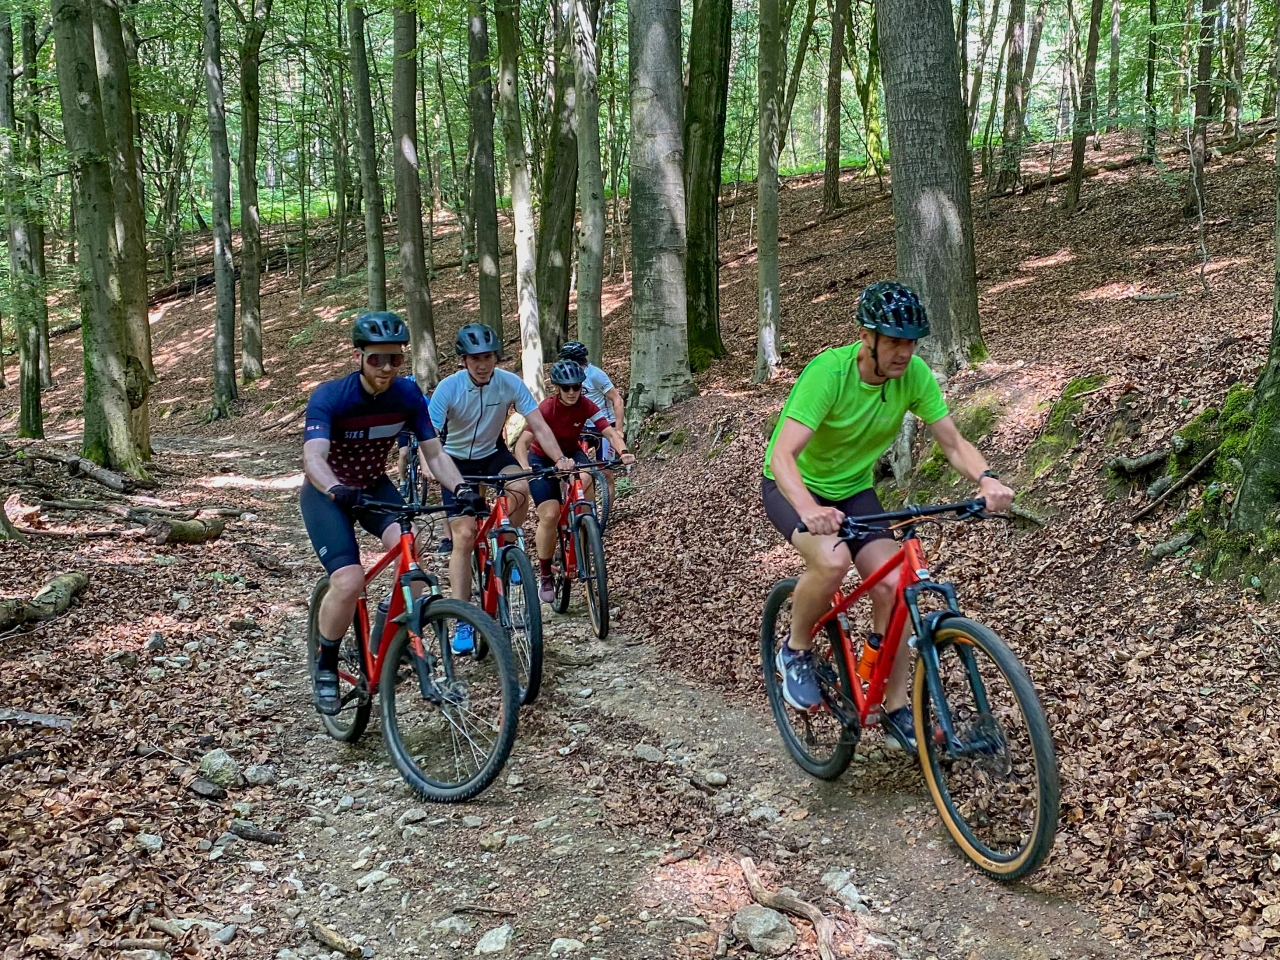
566,422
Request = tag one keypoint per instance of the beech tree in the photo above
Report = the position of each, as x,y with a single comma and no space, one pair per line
371,189
224,282
253,17
1016,87
1195,198
591,178
768,359
484,194
1087,110
831,141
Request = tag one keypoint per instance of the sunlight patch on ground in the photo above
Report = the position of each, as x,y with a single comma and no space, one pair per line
235,481
999,288
1052,260
1108,291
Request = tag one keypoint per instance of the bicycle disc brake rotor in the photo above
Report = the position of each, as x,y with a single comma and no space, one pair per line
985,744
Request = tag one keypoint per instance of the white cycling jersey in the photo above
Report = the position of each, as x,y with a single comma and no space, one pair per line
471,416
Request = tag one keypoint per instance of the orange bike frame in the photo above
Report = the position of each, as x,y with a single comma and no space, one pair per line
499,517
406,561
910,561
575,504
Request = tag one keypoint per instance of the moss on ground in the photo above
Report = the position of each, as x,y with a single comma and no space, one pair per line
974,420
1060,433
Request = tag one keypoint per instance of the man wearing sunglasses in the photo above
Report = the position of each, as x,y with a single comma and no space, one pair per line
351,424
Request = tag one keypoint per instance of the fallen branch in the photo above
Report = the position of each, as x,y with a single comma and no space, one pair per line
185,531
140,943
77,534
251,831
334,940
1185,479
53,599
479,908
1131,465
46,721
1149,297
19,755
1167,549
1022,513
78,466
823,926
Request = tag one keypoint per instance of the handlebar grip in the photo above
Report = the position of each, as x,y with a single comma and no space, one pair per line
801,528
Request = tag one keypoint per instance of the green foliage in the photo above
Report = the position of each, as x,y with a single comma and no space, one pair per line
1226,429
1060,434
975,420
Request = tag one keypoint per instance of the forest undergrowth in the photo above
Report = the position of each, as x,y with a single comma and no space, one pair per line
1160,682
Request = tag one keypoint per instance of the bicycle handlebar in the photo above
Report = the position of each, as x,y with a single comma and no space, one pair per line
503,478
853,527
400,509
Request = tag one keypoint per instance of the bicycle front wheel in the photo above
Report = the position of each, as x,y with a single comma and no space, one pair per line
822,740
520,613
996,786
591,565
357,706
604,499
449,720
563,580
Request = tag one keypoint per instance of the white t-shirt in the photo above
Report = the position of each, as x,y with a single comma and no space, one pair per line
596,386
471,417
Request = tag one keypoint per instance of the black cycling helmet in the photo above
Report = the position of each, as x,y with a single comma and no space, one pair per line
477,338
574,350
893,310
378,327
567,373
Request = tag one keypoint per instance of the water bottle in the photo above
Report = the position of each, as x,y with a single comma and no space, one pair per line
870,654
379,620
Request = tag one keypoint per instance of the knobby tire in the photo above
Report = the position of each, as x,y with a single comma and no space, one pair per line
349,725
525,639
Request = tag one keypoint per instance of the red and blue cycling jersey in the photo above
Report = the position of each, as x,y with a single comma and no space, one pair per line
361,427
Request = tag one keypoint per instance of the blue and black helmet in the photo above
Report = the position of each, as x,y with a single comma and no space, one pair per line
574,350
893,310
476,338
567,373
378,327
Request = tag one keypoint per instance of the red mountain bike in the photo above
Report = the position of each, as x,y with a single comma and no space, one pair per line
506,588
580,549
981,734
449,722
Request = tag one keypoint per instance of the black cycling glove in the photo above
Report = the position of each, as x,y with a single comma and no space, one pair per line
344,496
470,502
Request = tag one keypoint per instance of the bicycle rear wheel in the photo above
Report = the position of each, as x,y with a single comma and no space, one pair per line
604,499
823,740
997,789
594,577
520,613
563,580
357,706
449,721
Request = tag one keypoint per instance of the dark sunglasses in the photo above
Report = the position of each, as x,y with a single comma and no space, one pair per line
380,360
576,388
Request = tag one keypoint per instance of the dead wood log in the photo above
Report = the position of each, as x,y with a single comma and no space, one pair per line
246,830
48,721
78,466
1131,465
334,940
1185,479
7,530
823,926
52,600
185,531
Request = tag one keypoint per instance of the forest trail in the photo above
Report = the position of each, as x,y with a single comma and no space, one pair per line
596,831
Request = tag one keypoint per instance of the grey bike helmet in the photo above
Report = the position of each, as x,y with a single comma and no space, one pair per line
891,309
378,327
477,338
574,350
567,373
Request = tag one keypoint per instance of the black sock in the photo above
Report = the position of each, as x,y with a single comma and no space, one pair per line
329,654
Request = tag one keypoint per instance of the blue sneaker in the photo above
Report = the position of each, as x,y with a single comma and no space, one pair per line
464,639
515,577
444,547
899,730
799,686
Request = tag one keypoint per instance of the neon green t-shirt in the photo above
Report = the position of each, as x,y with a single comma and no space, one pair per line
853,422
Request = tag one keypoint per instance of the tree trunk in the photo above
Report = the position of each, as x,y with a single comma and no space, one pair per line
107,437
404,135
1085,112
484,196
659,351
706,107
36,216
793,84
931,203
1255,506
1234,53
979,66
868,87
26,288
130,222
224,328
1149,139
375,251
1195,200
1184,57
506,18
255,28
559,194
591,178
1015,100
1033,54
835,72
768,358
1113,71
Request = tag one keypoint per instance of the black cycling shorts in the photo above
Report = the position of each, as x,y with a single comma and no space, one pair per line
784,517
332,529
550,488
489,466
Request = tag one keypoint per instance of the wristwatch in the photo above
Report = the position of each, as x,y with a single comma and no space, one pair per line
987,473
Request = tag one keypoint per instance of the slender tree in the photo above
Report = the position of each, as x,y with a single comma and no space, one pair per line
130,220
831,142
484,194
788,94
933,224
706,107
659,348
506,15
1087,109
591,179
1149,138
107,437
985,37
36,213
1196,199
224,282
1234,54
413,267
1113,71
254,16
768,357
1015,99
371,189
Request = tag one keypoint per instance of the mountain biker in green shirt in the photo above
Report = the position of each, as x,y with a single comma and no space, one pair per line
841,416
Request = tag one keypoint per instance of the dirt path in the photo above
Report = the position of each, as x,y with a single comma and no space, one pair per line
603,833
